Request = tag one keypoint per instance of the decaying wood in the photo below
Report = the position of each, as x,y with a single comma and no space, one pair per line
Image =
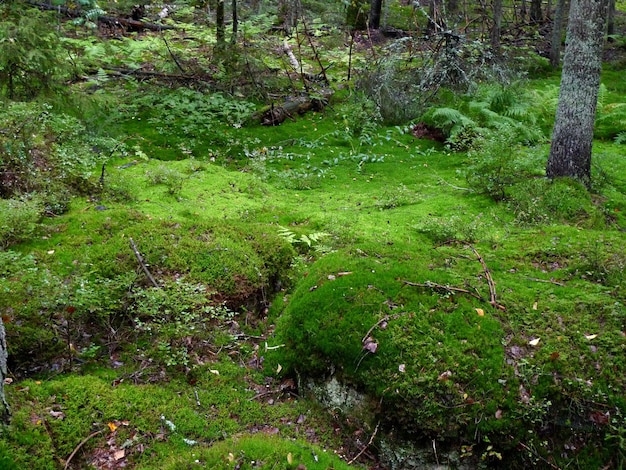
128,23
274,115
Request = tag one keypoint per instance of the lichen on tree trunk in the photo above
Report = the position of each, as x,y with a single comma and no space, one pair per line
572,137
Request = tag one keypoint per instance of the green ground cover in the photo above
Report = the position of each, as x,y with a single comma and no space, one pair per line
468,302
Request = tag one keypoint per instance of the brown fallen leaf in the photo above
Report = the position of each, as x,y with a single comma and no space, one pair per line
444,376
119,455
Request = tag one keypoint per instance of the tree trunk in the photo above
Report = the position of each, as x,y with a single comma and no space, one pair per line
5,411
611,20
557,31
497,26
233,39
572,137
220,29
535,11
376,8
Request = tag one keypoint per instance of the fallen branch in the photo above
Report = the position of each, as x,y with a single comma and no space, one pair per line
525,447
493,300
274,115
79,446
379,322
142,264
549,281
449,289
366,445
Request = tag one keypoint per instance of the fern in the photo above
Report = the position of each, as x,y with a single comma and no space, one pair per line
620,138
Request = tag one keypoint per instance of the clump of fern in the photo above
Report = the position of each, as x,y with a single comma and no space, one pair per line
491,109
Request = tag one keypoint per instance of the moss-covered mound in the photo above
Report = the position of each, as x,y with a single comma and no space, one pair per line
444,362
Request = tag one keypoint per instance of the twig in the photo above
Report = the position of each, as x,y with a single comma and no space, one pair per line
549,281
379,322
180,67
525,447
142,264
366,445
450,289
79,446
492,285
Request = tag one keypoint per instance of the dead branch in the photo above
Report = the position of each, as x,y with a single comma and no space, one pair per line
493,300
275,115
142,264
549,281
79,446
448,289
366,445
379,322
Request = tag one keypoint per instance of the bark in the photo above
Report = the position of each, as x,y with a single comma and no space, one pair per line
376,8
5,411
497,26
220,29
535,11
233,39
275,115
557,32
611,18
572,137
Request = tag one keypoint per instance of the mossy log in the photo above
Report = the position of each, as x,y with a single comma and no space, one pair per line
274,115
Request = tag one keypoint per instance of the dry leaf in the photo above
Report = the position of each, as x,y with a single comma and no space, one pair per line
231,457
370,345
214,371
57,414
119,454
444,376
499,414
8,381
289,458
535,305
331,277
112,426
554,356
344,273
590,337
402,367
480,312
279,368
534,342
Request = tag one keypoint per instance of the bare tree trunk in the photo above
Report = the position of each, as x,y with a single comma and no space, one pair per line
233,39
220,29
557,31
572,137
376,7
535,11
497,26
611,18
5,411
